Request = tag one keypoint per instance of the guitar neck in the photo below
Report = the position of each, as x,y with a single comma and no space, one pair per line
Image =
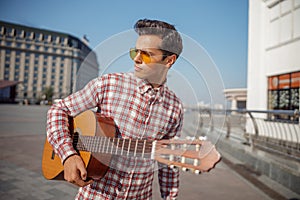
115,146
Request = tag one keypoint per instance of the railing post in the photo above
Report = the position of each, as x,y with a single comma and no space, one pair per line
254,123
227,120
211,127
200,120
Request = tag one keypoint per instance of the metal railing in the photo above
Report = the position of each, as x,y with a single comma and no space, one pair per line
275,131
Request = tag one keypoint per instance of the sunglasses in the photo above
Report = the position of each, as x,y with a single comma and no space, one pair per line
145,55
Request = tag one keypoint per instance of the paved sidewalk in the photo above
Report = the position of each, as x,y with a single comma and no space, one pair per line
19,183
21,142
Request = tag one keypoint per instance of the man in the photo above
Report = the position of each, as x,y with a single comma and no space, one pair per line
142,107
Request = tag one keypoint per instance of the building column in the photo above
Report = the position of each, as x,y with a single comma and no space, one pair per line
233,103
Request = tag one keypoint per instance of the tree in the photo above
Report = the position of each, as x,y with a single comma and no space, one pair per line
48,93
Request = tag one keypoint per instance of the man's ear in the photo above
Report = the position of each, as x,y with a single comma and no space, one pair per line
170,60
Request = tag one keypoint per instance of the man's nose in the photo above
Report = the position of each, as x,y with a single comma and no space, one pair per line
138,58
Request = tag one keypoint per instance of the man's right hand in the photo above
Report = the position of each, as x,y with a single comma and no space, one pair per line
75,171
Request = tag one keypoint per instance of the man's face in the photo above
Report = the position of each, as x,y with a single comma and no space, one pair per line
154,69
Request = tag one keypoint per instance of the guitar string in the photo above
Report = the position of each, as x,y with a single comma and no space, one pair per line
142,148
94,144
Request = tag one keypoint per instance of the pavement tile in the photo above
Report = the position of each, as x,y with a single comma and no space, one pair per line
19,183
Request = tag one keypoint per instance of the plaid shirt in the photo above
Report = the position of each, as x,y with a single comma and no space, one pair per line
140,112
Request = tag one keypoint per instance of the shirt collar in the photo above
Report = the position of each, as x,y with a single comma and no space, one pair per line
144,86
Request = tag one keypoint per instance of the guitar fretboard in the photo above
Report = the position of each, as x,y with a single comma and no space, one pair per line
115,146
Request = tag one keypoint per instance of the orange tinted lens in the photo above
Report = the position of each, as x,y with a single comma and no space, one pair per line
145,57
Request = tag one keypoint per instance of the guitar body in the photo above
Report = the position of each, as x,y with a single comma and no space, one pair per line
87,123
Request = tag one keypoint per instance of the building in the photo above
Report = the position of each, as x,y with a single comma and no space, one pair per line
273,55
237,97
41,59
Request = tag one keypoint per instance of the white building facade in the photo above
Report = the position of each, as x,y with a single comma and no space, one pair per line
273,55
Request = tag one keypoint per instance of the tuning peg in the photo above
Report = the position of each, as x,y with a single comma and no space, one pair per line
190,138
202,138
185,169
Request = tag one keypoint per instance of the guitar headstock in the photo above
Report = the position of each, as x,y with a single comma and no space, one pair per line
198,155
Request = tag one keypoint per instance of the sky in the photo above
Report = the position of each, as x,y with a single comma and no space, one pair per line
218,27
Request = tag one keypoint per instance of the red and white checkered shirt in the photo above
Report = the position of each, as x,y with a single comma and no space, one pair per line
140,112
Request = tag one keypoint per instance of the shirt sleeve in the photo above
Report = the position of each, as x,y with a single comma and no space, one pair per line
169,177
58,133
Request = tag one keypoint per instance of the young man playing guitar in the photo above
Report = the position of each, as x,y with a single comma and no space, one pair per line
142,107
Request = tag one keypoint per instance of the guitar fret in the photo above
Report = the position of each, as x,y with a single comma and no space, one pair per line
103,146
100,144
108,143
117,146
98,141
128,147
95,142
90,144
85,144
144,146
136,145
122,147
112,145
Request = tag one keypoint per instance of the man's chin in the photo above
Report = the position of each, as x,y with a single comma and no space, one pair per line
139,75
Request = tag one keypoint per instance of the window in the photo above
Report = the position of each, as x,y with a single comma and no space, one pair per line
283,91
283,19
20,33
9,32
53,38
8,43
6,72
28,36
39,37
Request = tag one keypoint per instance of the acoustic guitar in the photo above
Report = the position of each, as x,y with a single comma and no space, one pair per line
94,138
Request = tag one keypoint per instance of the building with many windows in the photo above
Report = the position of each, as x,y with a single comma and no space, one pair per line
273,55
40,60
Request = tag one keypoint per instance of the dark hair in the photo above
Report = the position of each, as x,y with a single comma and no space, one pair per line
171,39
